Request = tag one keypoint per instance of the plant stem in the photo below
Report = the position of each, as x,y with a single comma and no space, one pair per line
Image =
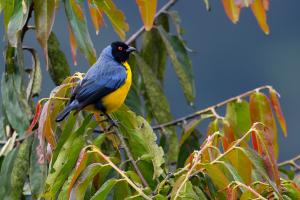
210,109
166,7
130,157
291,162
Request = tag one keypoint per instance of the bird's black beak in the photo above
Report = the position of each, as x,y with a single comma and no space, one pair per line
130,49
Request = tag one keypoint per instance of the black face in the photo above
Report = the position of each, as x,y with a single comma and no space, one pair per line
121,51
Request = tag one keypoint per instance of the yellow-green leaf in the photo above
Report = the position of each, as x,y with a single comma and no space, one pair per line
147,10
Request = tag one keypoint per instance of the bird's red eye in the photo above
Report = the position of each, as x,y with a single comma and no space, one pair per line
120,48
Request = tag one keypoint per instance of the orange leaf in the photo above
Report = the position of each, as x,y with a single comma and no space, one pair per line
254,141
276,105
147,10
96,16
261,111
259,11
38,109
228,131
80,165
45,125
231,194
231,10
73,45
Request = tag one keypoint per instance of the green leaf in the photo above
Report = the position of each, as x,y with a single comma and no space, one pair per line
15,176
291,190
153,50
66,159
141,138
186,191
78,191
17,21
238,115
38,168
116,17
260,111
44,14
35,82
121,190
181,63
59,68
8,8
78,26
177,22
105,189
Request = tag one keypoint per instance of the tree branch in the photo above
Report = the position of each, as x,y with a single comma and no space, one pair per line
166,7
292,162
210,109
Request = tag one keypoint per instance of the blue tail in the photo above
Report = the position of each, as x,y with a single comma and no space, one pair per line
66,111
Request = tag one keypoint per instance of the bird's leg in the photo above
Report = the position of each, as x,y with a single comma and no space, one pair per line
111,121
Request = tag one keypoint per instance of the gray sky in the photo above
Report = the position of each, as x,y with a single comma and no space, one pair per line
228,60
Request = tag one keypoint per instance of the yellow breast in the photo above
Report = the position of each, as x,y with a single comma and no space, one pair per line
114,100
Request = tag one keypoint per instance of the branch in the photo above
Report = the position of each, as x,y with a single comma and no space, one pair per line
291,162
166,7
210,109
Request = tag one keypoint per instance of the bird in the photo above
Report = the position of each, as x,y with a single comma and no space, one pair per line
105,85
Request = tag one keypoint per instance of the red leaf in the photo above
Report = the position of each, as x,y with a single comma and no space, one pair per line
261,111
38,109
228,132
276,105
254,141
231,194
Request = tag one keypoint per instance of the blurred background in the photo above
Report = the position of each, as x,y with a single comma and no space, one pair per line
228,59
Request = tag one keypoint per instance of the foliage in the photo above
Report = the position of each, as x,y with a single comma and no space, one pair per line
80,158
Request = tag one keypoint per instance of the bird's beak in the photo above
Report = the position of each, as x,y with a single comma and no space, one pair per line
130,49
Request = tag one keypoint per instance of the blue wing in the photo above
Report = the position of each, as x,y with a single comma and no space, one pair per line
97,83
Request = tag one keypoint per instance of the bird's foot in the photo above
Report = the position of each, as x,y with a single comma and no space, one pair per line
113,123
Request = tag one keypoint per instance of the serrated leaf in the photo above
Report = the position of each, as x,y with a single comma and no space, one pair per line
35,82
276,106
181,63
116,17
17,21
147,10
79,28
141,138
259,12
232,10
260,111
59,68
237,113
44,14
96,16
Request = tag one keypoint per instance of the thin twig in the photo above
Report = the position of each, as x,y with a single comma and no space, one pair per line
166,7
291,162
210,109
239,184
130,157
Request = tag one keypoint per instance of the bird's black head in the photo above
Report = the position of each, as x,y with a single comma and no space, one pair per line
121,51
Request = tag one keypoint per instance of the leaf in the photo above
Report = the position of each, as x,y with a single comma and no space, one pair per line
232,10
259,165
17,21
141,139
154,53
65,160
17,174
73,45
44,14
177,22
96,16
147,10
276,105
36,117
37,169
186,192
78,26
116,17
45,126
259,12
291,190
267,151
207,5
238,115
35,82
181,63
9,145
105,189
59,68
260,111
78,191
